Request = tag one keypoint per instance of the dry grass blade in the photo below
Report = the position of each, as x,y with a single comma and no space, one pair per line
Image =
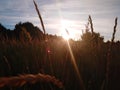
67,31
40,17
21,80
109,57
6,61
114,31
91,24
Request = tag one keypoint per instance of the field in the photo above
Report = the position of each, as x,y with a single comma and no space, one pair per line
87,64
31,59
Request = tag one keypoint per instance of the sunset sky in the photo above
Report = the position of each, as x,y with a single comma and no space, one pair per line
59,15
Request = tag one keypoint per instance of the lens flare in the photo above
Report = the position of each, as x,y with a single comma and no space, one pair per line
75,66
67,36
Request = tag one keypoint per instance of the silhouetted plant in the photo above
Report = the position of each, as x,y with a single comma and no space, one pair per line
91,24
109,56
40,17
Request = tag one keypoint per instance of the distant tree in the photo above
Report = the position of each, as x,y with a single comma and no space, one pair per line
2,28
35,32
3,34
24,35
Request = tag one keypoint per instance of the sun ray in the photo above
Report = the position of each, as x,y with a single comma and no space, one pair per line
75,66
67,35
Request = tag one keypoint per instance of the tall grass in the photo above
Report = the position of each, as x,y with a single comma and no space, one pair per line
91,24
109,55
33,56
53,59
40,17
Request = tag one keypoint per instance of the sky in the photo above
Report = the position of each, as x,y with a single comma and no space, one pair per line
59,15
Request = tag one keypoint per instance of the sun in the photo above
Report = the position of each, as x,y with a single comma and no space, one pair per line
66,35
69,34
67,31
64,32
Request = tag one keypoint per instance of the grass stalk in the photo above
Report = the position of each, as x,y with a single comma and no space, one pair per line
91,24
109,56
40,17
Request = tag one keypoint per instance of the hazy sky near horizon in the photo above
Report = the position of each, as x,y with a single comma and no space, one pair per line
72,14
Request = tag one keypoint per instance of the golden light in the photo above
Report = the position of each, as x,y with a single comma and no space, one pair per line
70,34
65,35
67,32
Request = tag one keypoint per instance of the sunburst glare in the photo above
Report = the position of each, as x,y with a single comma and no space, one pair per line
68,31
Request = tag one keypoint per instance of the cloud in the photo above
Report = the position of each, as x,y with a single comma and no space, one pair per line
103,13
